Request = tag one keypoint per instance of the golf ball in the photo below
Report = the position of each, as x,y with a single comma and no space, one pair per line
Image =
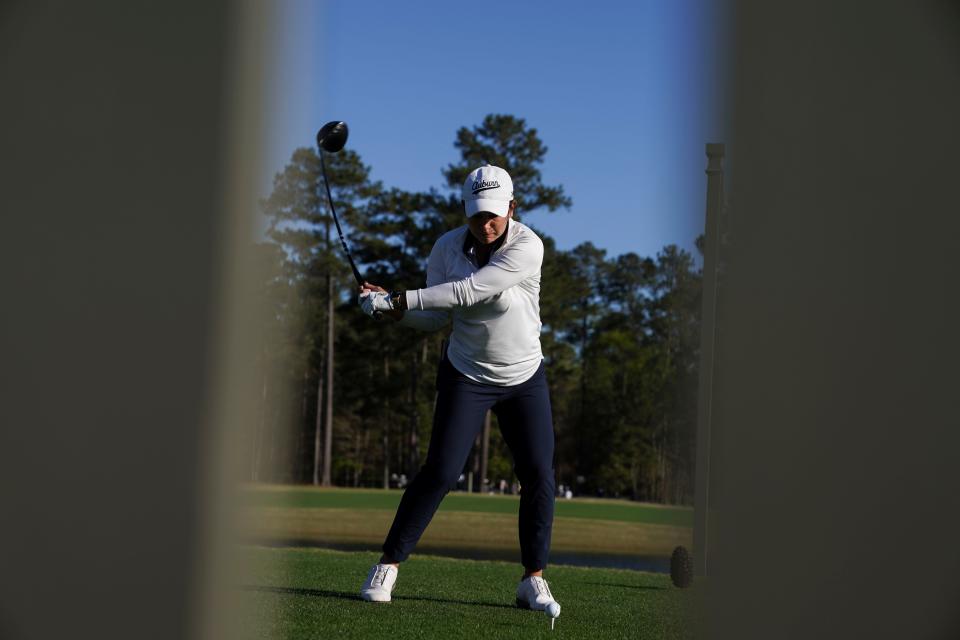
553,610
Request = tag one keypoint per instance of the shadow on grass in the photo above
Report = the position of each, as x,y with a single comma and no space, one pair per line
625,586
474,603
343,595
297,591
654,564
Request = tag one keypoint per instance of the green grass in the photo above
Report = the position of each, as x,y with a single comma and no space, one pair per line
593,509
312,593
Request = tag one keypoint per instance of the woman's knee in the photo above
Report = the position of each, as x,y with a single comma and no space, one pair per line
535,475
438,476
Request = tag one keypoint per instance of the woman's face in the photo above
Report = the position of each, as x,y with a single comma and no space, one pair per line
487,227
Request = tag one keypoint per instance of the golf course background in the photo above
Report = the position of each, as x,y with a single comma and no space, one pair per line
590,532
344,401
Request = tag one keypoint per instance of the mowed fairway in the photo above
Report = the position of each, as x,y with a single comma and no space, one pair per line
313,593
468,522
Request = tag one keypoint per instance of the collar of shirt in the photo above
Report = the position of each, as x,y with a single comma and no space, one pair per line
470,243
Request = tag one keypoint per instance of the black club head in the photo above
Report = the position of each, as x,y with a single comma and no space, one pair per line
332,136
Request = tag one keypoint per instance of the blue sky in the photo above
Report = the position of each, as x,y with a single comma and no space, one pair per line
624,95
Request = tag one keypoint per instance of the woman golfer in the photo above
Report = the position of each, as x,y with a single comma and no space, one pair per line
485,276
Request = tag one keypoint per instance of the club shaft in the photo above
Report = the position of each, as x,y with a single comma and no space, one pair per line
336,221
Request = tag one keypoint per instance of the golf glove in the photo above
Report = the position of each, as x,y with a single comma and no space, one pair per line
374,303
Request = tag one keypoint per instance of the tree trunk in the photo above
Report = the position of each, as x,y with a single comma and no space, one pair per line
475,454
661,470
258,435
386,429
582,457
328,434
358,447
318,431
304,396
386,460
413,462
484,452
271,455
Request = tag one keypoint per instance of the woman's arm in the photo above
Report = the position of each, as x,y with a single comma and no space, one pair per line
517,262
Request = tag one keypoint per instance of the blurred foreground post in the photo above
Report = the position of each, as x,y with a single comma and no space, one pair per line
131,162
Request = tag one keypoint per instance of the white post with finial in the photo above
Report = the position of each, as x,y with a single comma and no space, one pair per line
708,337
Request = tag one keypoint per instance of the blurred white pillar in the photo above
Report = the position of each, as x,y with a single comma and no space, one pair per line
232,403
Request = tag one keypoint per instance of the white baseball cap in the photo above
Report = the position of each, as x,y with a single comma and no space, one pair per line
488,188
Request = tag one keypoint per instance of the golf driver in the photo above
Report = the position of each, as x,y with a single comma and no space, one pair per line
331,138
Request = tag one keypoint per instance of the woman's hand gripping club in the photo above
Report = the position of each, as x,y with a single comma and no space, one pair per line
375,301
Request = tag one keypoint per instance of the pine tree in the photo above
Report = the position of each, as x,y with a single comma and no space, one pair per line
300,223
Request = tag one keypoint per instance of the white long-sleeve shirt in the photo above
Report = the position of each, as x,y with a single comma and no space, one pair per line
495,308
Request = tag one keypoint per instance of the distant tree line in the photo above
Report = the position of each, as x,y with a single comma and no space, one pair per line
348,401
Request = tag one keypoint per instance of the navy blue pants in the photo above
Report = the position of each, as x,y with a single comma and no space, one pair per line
523,413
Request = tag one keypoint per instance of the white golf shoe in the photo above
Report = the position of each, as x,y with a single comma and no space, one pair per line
533,593
379,583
